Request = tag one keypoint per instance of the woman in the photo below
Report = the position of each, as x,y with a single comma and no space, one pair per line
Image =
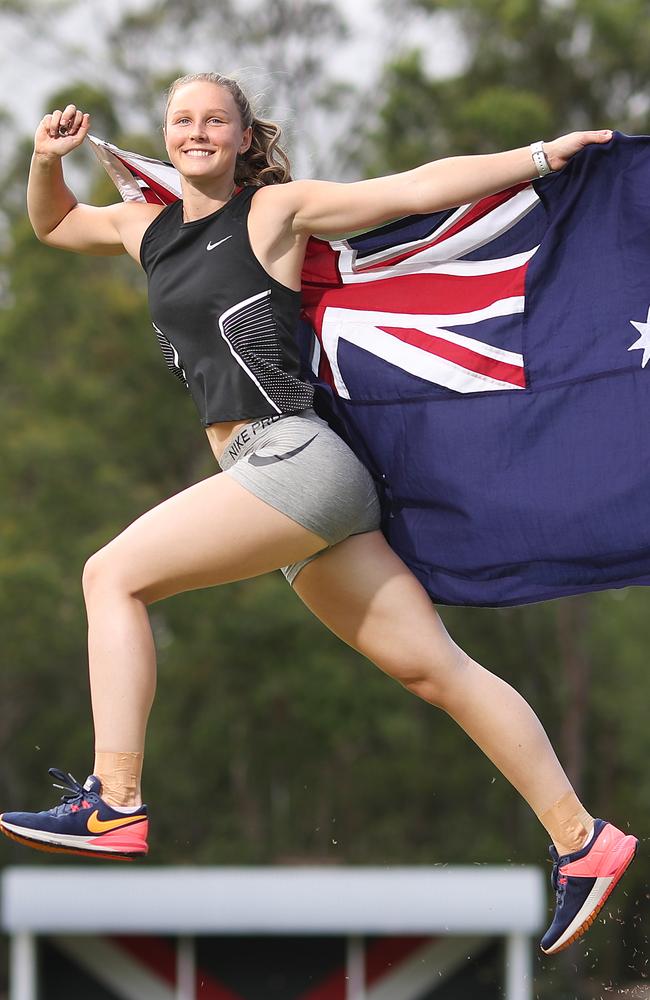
224,267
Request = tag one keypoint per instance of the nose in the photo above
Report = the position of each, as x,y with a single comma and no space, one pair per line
197,131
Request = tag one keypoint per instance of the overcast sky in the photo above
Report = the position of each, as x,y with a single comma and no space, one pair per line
31,67
29,70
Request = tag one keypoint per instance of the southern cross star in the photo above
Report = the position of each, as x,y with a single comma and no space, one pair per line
643,343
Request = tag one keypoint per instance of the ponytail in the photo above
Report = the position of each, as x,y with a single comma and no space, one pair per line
265,162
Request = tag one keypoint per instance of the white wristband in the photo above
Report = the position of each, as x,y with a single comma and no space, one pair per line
542,165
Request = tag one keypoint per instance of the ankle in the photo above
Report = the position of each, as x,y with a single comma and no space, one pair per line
569,824
119,773
577,844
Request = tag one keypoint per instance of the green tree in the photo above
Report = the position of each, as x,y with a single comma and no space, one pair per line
277,49
532,68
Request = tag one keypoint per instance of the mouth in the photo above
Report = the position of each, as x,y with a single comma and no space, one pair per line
198,154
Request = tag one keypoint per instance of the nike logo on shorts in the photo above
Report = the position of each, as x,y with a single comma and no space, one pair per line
270,459
211,246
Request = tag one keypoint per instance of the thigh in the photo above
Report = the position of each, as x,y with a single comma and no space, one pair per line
367,596
214,532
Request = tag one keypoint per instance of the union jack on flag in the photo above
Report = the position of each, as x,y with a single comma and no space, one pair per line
481,362
440,297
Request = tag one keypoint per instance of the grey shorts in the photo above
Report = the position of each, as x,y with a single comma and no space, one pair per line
298,465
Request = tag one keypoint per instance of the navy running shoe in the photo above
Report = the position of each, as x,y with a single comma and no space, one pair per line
82,824
583,881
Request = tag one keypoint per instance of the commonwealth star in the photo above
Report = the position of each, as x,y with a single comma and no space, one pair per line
643,343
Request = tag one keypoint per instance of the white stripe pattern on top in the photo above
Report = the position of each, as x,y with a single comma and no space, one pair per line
249,330
170,354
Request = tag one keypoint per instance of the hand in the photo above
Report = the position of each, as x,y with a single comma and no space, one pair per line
61,131
559,151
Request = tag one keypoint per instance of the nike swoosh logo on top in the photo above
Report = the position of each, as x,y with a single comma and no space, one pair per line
269,459
96,825
211,246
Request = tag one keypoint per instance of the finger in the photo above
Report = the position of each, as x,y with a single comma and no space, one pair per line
55,121
84,128
74,123
42,131
601,135
67,120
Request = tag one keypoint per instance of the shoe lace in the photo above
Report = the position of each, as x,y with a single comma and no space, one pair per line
554,875
75,792
559,883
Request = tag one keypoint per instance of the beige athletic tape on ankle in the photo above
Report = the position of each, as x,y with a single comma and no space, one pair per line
568,823
119,773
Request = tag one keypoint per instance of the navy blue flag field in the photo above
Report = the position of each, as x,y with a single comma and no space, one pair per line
488,364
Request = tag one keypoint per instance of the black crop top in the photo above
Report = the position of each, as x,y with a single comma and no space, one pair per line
226,328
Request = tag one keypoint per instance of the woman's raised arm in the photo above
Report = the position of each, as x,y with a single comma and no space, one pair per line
55,214
328,209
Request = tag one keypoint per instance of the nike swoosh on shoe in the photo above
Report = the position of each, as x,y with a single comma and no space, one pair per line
97,825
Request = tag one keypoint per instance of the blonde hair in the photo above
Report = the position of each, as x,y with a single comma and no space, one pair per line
265,162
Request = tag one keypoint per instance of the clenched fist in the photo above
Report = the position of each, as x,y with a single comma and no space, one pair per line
61,131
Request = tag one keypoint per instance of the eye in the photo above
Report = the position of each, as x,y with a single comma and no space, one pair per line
180,121
220,121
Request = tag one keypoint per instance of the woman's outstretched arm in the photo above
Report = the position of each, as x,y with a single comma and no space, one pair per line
327,208
55,214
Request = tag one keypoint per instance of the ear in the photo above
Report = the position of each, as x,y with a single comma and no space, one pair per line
247,138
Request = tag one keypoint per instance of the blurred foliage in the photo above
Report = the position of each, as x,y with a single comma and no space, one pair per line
290,745
531,68
278,49
97,102
25,10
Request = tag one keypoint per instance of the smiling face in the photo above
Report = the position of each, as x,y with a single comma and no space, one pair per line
203,131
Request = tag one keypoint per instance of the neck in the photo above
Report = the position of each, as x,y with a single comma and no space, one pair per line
197,203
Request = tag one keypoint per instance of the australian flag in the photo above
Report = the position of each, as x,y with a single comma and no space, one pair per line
488,364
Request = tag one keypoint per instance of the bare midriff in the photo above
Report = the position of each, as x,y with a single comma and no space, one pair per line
220,434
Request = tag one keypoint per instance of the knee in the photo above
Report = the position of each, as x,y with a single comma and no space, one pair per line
102,570
439,680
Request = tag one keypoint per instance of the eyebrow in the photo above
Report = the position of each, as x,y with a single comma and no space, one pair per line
210,111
